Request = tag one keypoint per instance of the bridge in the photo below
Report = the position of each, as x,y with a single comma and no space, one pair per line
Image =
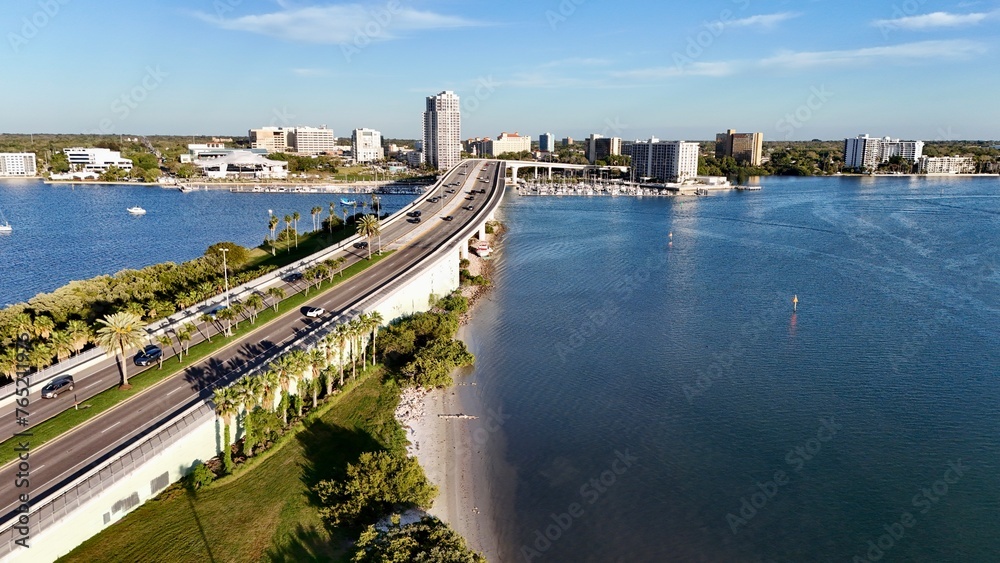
516,165
93,475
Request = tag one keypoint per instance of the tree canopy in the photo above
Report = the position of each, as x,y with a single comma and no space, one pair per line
427,541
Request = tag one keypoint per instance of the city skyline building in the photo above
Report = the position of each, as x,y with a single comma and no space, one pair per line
507,143
746,148
598,147
667,161
96,160
442,131
547,142
366,145
867,153
18,164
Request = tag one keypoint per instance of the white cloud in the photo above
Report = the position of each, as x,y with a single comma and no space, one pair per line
343,23
905,52
766,21
933,21
715,69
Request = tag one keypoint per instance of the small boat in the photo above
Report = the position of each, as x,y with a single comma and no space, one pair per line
136,210
5,227
748,188
344,201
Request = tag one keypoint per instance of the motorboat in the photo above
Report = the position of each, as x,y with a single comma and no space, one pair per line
344,201
136,210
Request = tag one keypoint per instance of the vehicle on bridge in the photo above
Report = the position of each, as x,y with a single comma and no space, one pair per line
313,312
57,386
147,355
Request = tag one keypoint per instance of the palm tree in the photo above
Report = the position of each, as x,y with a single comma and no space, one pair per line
208,320
333,211
315,213
375,321
369,227
62,345
9,364
302,386
295,217
288,227
227,315
184,334
316,360
284,368
254,302
79,334
268,385
277,294
272,222
341,333
238,309
43,326
40,356
355,330
119,333
225,407
164,341
376,204
344,209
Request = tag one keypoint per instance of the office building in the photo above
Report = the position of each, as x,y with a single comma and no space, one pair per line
506,143
598,147
475,146
547,142
866,153
442,131
567,141
947,165
366,145
18,164
95,160
666,161
312,140
746,148
271,139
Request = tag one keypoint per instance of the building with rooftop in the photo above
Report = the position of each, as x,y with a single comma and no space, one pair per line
666,161
442,131
241,164
18,164
271,139
507,143
867,153
366,145
547,142
95,160
947,165
746,148
598,147
312,140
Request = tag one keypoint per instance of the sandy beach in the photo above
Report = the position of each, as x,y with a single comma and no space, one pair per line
460,444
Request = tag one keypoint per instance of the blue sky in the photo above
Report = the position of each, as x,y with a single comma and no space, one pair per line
679,70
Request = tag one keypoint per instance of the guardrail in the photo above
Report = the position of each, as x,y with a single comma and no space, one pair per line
126,457
193,313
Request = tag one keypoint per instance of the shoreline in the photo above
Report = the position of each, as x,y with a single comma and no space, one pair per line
460,443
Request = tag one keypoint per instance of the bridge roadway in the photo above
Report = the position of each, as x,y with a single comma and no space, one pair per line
72,454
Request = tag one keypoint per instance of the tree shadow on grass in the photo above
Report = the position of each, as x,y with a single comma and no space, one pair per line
328,449
308,544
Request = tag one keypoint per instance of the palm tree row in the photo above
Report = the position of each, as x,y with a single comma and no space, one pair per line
298,370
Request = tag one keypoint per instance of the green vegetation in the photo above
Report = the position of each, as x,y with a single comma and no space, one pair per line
379,483
102,402
427,540
303,492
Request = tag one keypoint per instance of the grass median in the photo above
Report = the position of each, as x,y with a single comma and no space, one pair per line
110,398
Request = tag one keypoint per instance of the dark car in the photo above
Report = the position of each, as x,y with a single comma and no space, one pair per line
361,244
148,355
447,217
57,386
294,276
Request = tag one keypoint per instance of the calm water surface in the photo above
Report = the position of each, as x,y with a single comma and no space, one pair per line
64,233
606,339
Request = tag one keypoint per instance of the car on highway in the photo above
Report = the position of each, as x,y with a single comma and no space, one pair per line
147,355
57,386
292,277
361,244
214,311
414,214
413,220
468,208
313,312
447,217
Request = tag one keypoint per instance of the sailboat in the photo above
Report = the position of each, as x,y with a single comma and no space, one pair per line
5,226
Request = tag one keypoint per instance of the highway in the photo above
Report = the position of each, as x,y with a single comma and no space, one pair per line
72,454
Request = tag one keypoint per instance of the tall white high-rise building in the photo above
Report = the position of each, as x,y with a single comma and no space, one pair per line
272,139
18,164
366,145
669,161
312,140
866,153
442,146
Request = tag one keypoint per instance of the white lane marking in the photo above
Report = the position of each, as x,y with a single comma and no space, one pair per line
174,391
110,427
91,385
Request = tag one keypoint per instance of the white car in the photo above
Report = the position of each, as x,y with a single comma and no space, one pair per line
314,312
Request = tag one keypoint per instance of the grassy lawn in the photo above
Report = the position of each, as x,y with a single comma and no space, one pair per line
267,513
102,402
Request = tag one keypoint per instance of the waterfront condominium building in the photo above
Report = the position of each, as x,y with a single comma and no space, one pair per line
667,161
547,142
947,165
95,160
442,131
598,147
366,145
17,164
505,143
312,140
866,153
746,148
272,139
